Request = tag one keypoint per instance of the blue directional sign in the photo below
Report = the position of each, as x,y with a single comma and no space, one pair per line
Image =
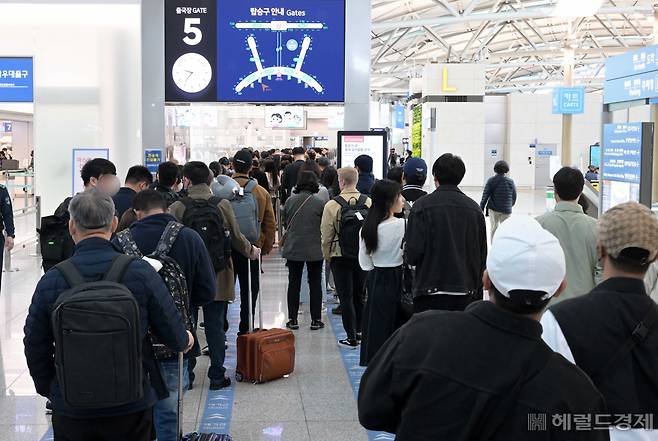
399,116
622,152
632,63
16,80
636,87
570,100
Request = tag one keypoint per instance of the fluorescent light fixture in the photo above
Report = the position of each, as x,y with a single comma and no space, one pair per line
573,9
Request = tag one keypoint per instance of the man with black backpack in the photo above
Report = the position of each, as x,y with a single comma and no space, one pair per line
214,220
342,219
255,215
54,238
179,255
86,329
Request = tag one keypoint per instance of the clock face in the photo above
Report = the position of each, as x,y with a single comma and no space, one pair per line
192,72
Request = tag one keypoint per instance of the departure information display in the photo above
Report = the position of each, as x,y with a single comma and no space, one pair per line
283,51
625,163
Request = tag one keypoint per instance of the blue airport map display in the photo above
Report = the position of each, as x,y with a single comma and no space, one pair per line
568,100
257,51
284,51
16,80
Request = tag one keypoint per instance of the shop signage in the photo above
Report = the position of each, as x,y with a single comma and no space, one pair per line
16,80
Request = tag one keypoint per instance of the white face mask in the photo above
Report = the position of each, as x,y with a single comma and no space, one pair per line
179,187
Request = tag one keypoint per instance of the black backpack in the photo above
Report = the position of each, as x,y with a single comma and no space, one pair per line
351,221
171,273
55,240
204,217
98,347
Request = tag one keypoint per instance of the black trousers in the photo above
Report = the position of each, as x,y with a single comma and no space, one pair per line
295,272
243,267
442,302
383,314
131,427
349,279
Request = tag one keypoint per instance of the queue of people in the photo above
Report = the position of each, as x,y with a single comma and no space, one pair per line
552,340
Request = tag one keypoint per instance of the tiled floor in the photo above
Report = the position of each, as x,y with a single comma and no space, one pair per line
315,403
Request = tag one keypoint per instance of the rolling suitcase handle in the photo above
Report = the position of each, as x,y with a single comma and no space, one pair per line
179,419
251,299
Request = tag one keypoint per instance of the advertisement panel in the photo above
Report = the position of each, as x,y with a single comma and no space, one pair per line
354,144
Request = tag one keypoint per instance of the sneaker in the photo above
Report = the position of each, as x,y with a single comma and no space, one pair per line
316,324
359,336
292,324
347,343
205,351
49,407
338,310
221,384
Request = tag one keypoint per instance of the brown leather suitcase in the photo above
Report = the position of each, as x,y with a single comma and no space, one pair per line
264,354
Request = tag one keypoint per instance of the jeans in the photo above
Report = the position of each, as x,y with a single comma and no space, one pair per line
165,412
295,271
214,315
350,282
243,266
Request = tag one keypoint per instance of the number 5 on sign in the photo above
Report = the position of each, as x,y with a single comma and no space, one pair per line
191,29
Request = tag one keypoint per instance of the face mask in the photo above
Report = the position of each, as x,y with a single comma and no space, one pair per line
179,187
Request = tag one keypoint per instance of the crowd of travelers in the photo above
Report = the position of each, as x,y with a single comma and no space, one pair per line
464,335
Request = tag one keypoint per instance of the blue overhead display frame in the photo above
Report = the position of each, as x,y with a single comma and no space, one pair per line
256,51
569,100
16,80
631,76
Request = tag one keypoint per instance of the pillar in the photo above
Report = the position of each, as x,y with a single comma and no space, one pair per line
654,120
153,78
357,65
567,120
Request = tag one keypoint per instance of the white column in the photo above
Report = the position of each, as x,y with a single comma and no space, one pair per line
357,65
567,120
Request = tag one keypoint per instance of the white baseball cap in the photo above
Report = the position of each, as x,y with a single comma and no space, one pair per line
524,256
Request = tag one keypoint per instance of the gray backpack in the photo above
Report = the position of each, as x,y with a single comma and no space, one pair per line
246,211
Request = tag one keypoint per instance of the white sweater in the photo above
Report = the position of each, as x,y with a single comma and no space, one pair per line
389,246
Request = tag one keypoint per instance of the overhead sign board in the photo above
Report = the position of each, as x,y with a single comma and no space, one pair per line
637,87
632,63
16,80
569,100
280,51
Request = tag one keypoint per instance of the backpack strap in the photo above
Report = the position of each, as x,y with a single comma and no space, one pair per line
362,199
167,239
118,268
636,338
128,244
70,273
342,201
251,184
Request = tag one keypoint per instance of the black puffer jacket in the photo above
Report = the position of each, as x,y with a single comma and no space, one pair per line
499,194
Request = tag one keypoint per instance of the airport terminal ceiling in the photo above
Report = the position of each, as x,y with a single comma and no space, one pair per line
522,42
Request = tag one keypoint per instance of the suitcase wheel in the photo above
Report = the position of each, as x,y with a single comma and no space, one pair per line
238,377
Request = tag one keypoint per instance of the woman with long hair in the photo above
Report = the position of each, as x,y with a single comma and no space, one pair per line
302,247
380,252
